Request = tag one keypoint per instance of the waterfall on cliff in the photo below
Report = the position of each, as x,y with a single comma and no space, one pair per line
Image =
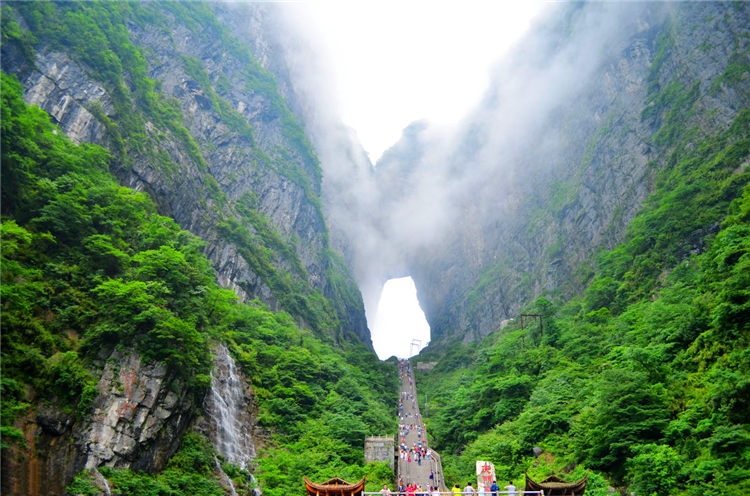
225,479
225,405
101,482
226,408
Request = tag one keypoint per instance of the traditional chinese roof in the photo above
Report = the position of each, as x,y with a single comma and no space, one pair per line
335,487
555,486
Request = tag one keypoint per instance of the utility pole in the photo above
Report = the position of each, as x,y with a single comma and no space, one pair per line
415,343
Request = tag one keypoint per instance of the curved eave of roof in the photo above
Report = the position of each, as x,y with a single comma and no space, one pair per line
580,484
332,485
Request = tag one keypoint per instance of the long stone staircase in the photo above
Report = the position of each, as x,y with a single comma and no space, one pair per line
412,471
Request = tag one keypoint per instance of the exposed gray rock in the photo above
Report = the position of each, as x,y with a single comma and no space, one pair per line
136,409
569,467
575,182
101,483
66,90
136,422
52,419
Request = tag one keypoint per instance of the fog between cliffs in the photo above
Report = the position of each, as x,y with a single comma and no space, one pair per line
445,198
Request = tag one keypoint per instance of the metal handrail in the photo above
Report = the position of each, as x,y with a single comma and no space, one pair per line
436,464
439,479
436,461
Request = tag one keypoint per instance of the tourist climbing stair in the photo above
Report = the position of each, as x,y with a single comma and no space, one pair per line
414,432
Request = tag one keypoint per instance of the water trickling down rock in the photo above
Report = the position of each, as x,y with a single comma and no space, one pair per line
225,479
227,406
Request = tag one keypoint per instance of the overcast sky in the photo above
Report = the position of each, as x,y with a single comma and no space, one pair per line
397,62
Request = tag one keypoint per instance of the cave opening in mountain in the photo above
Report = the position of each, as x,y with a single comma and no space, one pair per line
400,328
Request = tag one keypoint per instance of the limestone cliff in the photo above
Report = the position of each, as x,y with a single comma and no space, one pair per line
194,117
524,211
136,421
232,166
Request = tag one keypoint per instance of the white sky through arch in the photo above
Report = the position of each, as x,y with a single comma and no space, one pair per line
397,62
399,319
380,66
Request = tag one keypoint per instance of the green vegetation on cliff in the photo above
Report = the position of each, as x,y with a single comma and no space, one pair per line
88,265
643,379
95,34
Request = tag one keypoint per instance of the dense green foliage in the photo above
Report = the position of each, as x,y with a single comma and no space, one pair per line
322,402
83,255
294,294
645,378
88,266
95,34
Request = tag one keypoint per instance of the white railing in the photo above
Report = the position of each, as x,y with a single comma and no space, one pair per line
432,493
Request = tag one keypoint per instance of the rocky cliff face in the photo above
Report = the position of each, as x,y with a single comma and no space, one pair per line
524,211
240,144
519,199
205,128
136,421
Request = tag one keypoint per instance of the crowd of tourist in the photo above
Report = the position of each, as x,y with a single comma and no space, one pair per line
419,451
413,489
